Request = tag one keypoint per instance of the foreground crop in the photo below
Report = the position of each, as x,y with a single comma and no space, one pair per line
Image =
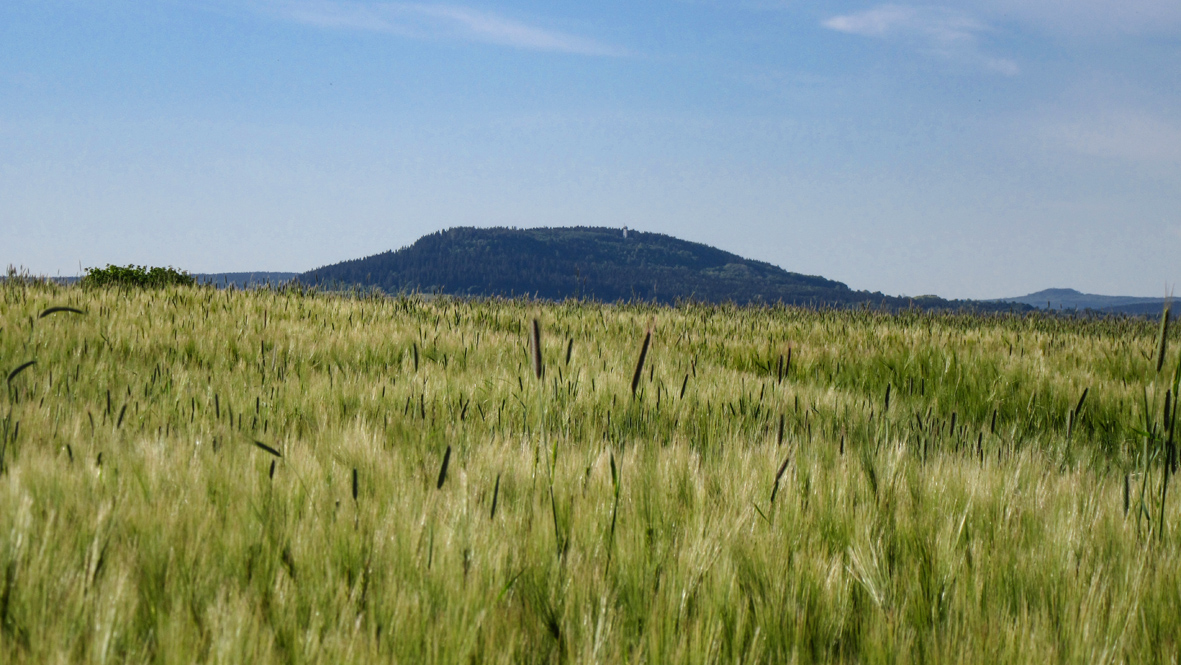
191,474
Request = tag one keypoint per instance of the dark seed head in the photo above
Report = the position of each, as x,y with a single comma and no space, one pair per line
443,469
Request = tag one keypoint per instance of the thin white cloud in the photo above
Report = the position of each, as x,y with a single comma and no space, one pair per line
1079,18
939,25
946,33
436,21
1087,17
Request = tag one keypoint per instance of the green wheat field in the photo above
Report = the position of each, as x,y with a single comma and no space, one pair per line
290,476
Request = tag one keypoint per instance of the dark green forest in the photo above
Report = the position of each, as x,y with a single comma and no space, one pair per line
597,264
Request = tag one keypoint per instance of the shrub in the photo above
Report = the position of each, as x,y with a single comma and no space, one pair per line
136,277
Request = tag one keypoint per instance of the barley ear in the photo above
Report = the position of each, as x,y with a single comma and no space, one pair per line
1164,338
640,362
443,469
537,368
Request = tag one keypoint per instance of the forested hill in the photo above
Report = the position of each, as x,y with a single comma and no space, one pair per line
594,263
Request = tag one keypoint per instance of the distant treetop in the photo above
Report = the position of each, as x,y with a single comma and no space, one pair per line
134,276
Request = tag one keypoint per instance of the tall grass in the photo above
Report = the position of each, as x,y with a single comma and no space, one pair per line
297,477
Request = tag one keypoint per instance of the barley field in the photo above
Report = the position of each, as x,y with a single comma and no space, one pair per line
289,476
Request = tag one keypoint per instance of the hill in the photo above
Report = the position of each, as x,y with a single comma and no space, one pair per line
1057,299
597,263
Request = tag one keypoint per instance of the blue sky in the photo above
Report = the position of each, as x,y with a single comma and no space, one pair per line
983,148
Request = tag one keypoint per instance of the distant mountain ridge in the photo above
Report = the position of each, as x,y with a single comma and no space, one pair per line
244,280
1059,299
241,280
608,264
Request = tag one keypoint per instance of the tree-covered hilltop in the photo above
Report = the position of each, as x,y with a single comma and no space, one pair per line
597,263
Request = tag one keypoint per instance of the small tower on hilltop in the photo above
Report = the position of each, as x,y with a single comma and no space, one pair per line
625,233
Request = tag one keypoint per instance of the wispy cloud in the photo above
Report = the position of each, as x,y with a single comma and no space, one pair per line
1087,17
436,22
946,33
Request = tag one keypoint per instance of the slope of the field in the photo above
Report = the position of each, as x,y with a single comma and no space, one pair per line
599,264
283,476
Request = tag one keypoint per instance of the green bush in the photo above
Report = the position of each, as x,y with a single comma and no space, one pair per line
136,276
